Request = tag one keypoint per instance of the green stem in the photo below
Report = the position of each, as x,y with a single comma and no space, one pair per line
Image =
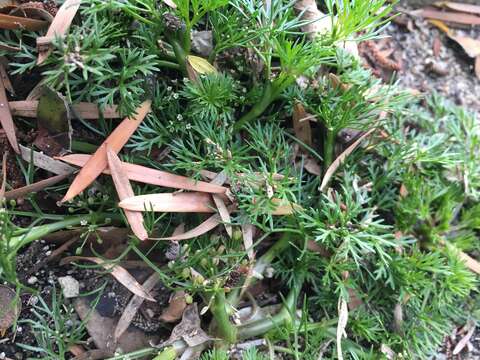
82,146
181,56
168,64
270,92
328,148
168,353
263,326
226,330
38,232
262,263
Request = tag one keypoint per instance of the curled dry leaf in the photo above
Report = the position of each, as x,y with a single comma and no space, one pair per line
124,190
340,159
83,110
152,176
176,306
247,232
35,187
118,272
98,162
133,305
6,119
58,27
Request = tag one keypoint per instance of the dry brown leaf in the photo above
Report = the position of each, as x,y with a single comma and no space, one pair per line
98,162
76,350
4,75
10,307
170,3
224,213
454,17
6,119
4,178
301,124
211,223
470,262
247,232
124,190
464,340
466,8
403,191
318,22
340,159
84,110
118,272
45,162
35,187
170,202
133,305
477,67
175,308
9,22
152,176
341,325
312,166
58,27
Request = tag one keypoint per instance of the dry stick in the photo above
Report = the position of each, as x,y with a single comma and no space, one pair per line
98,162
133,306
85,110
35,187
9,22
6,119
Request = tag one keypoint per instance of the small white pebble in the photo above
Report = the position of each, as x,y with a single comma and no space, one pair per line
32,280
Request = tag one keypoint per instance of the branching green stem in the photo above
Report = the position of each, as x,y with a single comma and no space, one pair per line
226,330
328,148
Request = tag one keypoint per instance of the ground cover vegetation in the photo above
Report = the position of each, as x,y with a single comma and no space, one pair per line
353,201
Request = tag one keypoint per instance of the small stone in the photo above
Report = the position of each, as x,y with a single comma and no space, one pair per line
32,280
70,286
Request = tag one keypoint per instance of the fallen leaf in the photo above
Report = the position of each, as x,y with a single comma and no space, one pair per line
197,65
175,308
83,110
4,75
31,12
453,17
35,187
247,232
170,202
151,176
94,355
477,67
466,8
312,166
53,114
58,27
10,306
341,325
437,46
45,162
118,272
170,3
76,350
133,305
340,159
6,119
403,191
101,330
464,340
9,22
209,224
4,178
189,329
124,190
224,213
98,162
301,124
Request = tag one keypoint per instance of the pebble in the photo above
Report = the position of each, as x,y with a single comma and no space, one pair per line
70,286
32,280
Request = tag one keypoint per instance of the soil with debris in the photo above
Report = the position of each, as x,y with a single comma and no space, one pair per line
431,62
